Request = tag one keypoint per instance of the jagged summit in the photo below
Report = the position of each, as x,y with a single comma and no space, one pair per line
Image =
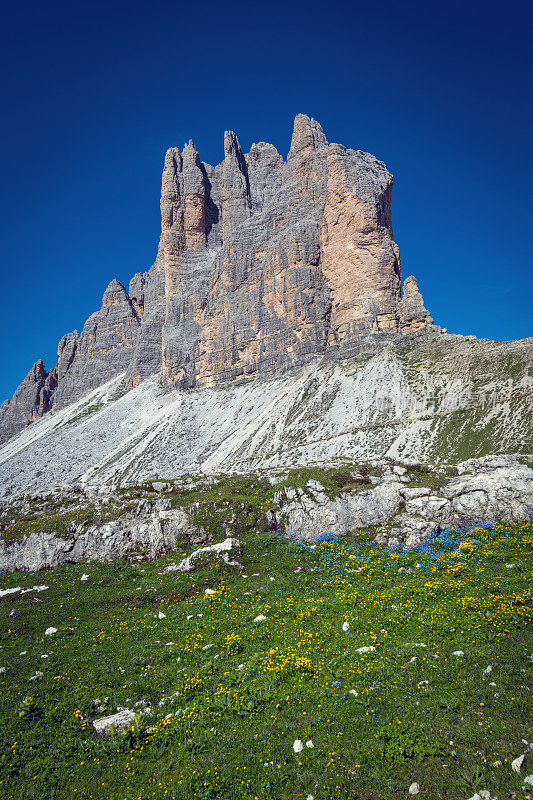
263,264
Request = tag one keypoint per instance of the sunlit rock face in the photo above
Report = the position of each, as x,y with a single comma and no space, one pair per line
270,262
263,264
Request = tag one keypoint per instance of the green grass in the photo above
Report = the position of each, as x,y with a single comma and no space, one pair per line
299,667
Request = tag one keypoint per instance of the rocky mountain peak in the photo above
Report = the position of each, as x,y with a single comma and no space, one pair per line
413,314
263,265
307,134
114,294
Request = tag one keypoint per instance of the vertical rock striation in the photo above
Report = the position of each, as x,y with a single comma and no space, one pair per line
263,264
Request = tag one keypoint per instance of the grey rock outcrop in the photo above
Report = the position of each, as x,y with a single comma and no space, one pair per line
31,400
263,264
149,535
307,518
489,490
413,314
486,490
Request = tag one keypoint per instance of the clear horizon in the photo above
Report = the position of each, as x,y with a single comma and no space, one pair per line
93,98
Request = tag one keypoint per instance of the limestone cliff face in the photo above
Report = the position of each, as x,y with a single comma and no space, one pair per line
31,400
269,262
263,264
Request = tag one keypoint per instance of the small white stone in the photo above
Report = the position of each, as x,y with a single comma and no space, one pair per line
484,794
161,615
50,631
298,746
310,797
355,694
3,592
45,656
309,744
496,763
23,653
210,591
414,788
457,653
190,616
122,719
241,666
509,566
365,649
260,618
488,670
346,626
517,763
475,797
529,780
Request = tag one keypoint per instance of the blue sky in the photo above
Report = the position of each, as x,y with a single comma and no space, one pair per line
94,94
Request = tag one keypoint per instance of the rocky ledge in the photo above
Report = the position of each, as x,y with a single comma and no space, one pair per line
400,503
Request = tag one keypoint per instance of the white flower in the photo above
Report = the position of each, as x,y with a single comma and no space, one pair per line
457,653
309,744
50,631
365,649
310,797
84,577
414,788
298,746
517,763
355,694
497,764
161,615
346,626
488,670
260,618
2,670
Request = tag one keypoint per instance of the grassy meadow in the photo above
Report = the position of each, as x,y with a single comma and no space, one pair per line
391,668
